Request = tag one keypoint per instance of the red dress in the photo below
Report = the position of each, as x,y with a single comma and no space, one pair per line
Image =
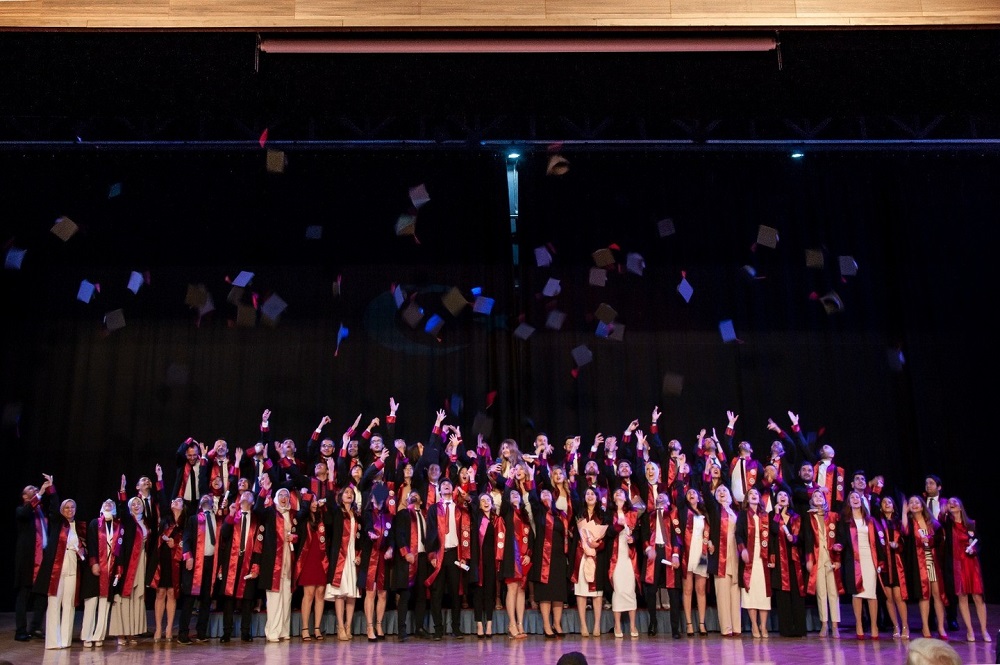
313,562
968,573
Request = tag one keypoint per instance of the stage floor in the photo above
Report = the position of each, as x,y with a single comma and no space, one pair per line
535,650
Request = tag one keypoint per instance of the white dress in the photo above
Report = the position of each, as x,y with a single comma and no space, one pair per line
695,563
868,573
128,615
623,599
349,578
756,598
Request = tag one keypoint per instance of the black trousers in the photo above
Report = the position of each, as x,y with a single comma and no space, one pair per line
447,580
419,593
484,593
28,601
791,612
205,604
246,611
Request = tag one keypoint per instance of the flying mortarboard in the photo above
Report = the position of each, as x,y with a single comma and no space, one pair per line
767,236
197,296
603,257
86,291
603,329
635,263
406,224
454,301
65,228
832,303
114,320
598,276
419,196
523,331
606,313
243,279
398,296
413,314
617,332
555,320
673,383
273,307
14,258
552,287
727,331
685,289
246,316
558,165
483,305
135,281
543,257
314,232
482,424
433,325
665,227
114,190
814,258
848,266
582,355
276,161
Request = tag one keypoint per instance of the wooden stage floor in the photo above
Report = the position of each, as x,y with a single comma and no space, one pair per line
536,650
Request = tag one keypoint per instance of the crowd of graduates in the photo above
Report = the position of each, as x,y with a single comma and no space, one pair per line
615,524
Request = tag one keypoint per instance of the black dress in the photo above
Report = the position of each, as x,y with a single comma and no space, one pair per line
554,590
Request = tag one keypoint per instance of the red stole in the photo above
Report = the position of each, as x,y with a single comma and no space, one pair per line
133,557
376,560
41,526
105,553
859,584
390,502
60,554
414,546
234,582
688,533
548,544
753,539
617,525
320,489
787,556
522,531
888,532
431,494
175,531
462,524
834,480
578,557
182,487
484,524
723,547
668,550
346,535
751,471
827,530
925,583
200,575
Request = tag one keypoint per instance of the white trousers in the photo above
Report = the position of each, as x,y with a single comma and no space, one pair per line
279,612
727,604
61,612
95,619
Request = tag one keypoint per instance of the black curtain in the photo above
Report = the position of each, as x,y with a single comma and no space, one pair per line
898,381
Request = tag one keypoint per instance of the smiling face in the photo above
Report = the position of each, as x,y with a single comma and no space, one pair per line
888,507
854,499
135,506
692,497
652,472
723,496
753,499
558,475
68,509
347,496
485,503
915,504
590,497
283,498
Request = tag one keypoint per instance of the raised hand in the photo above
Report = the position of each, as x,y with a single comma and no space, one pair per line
771,425
732,418
159,472
123,482
266,415
356,422
632,426
656,413
440,418
794,417
393,406
324,421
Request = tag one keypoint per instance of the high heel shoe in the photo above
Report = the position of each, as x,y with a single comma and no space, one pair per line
905,634
701,630
619,635
371,634
318,633
634,633
986,637
306,637
690,630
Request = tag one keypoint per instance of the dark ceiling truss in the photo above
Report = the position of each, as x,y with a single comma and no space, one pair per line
205,131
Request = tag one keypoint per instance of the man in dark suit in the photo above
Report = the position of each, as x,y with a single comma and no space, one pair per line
32,536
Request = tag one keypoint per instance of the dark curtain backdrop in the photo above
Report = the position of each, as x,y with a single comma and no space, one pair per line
87,405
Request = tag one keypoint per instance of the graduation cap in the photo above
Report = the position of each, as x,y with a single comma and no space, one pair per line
455,404
65,228
341,336
197,296
685,289
314,232
552,288
246,316
598,276
482,424
14,258
727,331
555,320
207,306
524,331
419,196
135,281
276,161
235,296
617,332
543,257
634,263
413,314
673,383
558,165
335,287
606,313
273,307
86,291
114,190
603,257
582,355
896,359
454,301
814,259
243,279
398,296
848,266
603,329
483,305
114,320
406,225
832,303
767,236
380,492
665,227
433,325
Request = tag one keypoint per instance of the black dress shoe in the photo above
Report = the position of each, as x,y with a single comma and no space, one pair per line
438,637
22,637
224,640
246,638
421,634
458,635
401,637
185,640
677,635
40,635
